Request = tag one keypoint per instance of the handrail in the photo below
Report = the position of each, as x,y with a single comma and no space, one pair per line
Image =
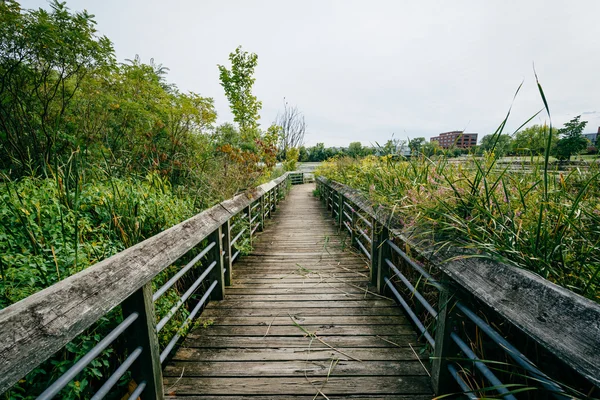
33,329
564,323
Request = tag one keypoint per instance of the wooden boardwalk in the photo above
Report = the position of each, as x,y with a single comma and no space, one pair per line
298,321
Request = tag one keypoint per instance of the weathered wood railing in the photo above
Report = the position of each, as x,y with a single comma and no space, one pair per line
565,324
32,330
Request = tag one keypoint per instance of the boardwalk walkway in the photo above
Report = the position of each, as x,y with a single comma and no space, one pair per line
299,281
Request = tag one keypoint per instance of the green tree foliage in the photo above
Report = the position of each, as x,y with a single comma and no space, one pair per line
303,154
416,144
355,150
44,60
500,145
533,140
571,141
431,148
291,158
238,82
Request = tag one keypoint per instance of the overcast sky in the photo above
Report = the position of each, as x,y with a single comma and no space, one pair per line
364,70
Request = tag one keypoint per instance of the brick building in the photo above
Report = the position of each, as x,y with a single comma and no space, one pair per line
455,139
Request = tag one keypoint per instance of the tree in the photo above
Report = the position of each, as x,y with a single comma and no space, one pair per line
431,148
237,84
303,154
571,142
415,145
500,145
293,127
355,149
44,57
533,140
317,153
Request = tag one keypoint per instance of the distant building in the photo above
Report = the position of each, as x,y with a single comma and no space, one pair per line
455,139
592,137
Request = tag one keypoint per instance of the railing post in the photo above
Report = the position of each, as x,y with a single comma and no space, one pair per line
147,368
249,213
441,379
261,208
333,194
217,273
226,245
384,252
341,213
375,248
274,199
353,229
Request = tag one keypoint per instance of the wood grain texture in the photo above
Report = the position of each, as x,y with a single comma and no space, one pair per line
300,278
347,385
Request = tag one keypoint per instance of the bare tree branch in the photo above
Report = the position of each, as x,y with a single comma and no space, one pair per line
292,125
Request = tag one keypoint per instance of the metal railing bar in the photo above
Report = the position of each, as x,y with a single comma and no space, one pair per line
412,289
466,389
369,224
232,226
347,216
410,312
176,337
183,298
485,371
347,205
363,249
255,228
337,214
138,390
68,376
237,236
255,205
114,378
348,227
237,253
179,274
410,261
367,238
253,219
513,352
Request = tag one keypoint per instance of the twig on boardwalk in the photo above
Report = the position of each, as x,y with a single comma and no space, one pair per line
314,335
419,359
334,362
176,382
269,327
413,350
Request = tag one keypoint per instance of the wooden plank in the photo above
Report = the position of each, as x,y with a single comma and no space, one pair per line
566,324
321,311
305,304
298,354
323,289
320,330
292,368
265,342
300,397
303,297
354,385
307,320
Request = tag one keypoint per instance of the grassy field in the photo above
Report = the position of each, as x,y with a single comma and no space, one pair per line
548,223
